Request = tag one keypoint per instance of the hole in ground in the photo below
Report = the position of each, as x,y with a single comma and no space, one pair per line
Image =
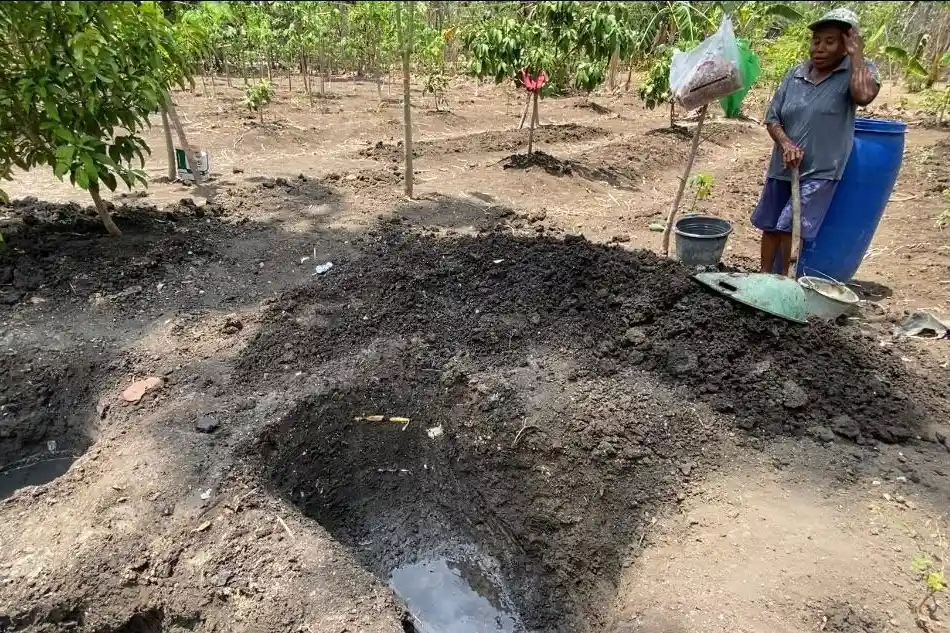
475,531
46,418
620,374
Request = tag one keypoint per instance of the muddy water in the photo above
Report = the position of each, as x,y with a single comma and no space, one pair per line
455,594
33,474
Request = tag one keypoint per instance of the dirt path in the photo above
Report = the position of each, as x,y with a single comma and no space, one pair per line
593,442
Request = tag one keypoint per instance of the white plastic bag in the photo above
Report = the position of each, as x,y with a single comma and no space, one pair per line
709,71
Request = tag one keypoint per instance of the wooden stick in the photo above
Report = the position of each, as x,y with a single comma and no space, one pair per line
679,194
796,223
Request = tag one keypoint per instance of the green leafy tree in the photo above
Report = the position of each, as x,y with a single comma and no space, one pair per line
78,83
570,42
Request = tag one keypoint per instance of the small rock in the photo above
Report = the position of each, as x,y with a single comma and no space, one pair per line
128,292
680,497
681,362
237,170
282,182
134,392
901,479
207,424
822,434
686,469
795,396
350,177
635,336
942,439
232,326
620,238
268,184
223,577
656,227
845,426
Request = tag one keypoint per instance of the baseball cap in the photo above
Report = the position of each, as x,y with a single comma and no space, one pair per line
840,16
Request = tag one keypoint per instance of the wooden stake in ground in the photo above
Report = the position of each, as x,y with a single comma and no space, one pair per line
796,223
169,145
679,193
180,131
534,119
405,43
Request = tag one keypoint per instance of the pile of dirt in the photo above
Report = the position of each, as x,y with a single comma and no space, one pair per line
484,142
496,296
64,248
576,388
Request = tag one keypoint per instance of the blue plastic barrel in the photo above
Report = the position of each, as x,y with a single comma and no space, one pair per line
859,202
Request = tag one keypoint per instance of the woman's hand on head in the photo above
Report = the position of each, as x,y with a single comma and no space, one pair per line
853,44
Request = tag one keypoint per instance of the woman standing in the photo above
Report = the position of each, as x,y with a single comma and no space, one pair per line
811,120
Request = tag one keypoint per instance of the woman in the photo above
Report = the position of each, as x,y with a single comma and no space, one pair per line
811,120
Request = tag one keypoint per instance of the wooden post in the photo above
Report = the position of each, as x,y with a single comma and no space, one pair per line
679,193
534,120
406,46
180,131
169,145
796,223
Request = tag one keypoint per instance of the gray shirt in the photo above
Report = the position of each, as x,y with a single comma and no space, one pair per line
818,117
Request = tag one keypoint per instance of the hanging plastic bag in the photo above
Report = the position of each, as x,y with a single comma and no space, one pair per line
709,71
750,70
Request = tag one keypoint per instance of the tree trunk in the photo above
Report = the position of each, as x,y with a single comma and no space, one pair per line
214,88
260,114
290,73
626,87
672,114
306,76
524,115
227,70
270,65
323,70
679,193
182,139
169,146
614,63
534,120
406,45
204,84
243,62
102,211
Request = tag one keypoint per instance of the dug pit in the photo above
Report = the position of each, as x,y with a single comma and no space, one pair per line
476,519
46,416
561,395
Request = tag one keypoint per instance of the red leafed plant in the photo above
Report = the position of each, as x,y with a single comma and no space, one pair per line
533,85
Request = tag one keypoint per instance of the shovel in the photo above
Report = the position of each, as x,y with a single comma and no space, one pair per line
796,223
773,294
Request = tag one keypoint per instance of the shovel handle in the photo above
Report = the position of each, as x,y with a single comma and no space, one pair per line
796,223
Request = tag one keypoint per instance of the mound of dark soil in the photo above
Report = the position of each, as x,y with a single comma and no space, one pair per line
64,247
496,297
485,142
577,389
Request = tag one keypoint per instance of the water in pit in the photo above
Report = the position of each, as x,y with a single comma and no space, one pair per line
456,594
33,473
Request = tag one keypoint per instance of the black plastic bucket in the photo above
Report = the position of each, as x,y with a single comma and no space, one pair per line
701,239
